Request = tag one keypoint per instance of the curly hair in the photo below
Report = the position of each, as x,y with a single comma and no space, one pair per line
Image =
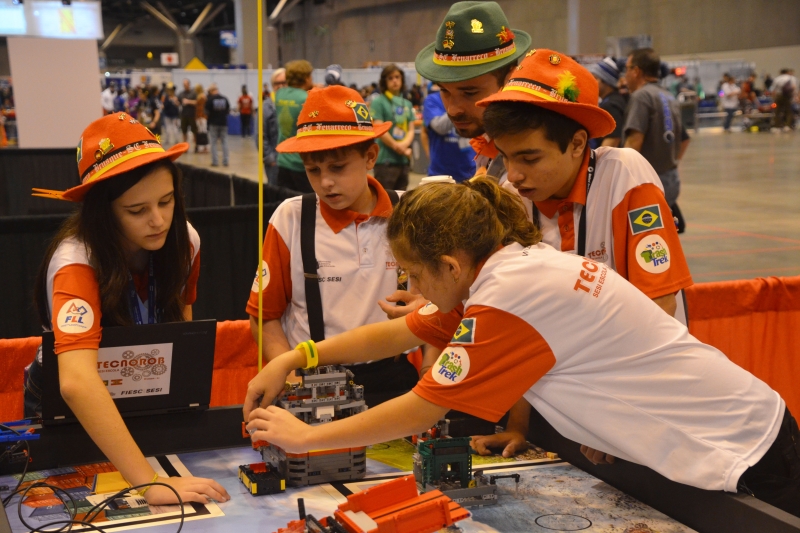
474,217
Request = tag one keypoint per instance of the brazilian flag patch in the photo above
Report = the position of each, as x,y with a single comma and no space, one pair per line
361,111
645,219
465,334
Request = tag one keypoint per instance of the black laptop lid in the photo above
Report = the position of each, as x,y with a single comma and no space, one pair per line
148,369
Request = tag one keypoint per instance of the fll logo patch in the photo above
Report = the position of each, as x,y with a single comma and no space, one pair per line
264,278
645,219
75,316
465,334
652,254
452,366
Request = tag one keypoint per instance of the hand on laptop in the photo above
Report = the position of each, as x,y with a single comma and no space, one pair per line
191,489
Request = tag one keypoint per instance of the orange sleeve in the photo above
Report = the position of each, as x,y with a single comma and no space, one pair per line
492,359
432,326
647,249
190,290
76,309
277,278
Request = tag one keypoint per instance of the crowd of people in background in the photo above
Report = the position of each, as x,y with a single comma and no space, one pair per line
773,99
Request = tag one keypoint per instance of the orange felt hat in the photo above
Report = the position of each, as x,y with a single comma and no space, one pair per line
111,146
331,118
557,82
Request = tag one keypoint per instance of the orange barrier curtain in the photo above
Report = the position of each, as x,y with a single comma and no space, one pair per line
235,362
756,323
15,355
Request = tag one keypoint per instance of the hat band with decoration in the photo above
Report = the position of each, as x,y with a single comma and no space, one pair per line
478,57
566,92
112,158
335,128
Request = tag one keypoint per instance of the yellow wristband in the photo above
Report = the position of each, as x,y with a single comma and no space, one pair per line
312,356
142,491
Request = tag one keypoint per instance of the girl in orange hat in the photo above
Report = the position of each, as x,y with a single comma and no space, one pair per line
126,256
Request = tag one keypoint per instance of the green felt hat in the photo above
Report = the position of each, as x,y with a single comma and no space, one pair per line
474,39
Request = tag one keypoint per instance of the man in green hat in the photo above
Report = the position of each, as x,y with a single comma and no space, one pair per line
474,53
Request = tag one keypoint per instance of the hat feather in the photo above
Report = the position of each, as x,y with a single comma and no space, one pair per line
567,87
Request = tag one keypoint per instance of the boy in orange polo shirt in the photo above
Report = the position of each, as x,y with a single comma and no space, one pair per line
351,266
606,204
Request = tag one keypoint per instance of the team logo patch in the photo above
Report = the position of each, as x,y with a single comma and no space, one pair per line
452,366
645,219
80,149
465,334
76,316
264,278
652,254
428,309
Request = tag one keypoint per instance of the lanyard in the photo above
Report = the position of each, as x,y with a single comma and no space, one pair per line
669,135
133,298
582,218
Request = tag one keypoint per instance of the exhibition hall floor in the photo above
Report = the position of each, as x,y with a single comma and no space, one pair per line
739,195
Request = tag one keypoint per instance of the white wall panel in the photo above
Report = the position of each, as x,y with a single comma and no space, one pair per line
56,90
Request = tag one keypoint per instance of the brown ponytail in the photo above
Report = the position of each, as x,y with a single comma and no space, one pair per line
475,217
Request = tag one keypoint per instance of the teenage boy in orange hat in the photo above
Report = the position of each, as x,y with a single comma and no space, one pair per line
606,204
348,264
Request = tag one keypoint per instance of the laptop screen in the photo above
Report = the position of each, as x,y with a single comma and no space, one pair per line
147,369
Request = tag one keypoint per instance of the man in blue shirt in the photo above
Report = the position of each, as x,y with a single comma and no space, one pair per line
450,153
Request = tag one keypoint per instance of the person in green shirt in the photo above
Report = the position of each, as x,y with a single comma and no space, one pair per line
288,103
391,169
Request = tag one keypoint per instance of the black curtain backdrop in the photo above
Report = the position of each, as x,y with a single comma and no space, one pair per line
228,233
23,241
21,170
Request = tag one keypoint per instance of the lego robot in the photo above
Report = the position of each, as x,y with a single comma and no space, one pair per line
444,463
325,394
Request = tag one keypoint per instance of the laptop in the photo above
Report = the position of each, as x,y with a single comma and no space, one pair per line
148,369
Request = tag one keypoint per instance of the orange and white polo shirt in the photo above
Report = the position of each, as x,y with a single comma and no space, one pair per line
75,294
602,363
629,226
355,265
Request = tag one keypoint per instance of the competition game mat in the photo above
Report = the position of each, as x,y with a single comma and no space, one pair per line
551,496
89,485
